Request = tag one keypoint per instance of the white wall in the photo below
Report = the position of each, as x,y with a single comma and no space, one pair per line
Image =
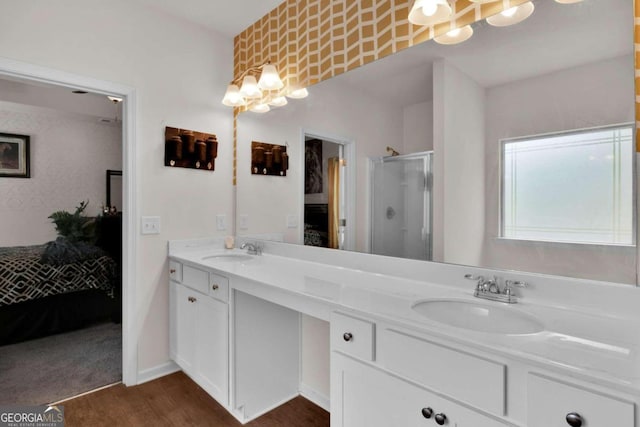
332,110
70,154
180,72
592,95
417,129
459,128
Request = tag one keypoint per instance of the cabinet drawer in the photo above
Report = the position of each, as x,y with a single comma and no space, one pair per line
175,271
353,336
196,279
549,401
219,287
468,378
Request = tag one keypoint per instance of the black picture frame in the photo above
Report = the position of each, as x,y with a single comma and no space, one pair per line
15,156
111,173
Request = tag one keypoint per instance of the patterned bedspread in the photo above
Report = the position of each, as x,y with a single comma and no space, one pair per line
23,277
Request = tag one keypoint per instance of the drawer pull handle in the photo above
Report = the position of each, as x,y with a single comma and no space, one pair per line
348,336
427,412
574,419
192,299
441,419
173,270
215,287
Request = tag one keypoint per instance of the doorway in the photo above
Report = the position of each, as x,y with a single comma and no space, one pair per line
36,74
327,195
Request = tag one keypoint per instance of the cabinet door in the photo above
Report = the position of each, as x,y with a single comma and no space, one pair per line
211,358
364,396
183,306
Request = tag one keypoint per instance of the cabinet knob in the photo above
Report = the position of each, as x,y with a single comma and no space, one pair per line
441,419
427,412
173,270
574,419
348,336
192,299
214,287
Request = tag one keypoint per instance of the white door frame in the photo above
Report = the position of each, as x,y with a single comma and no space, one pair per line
350,196
26,71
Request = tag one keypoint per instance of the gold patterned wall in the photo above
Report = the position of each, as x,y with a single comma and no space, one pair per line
636,31
313,40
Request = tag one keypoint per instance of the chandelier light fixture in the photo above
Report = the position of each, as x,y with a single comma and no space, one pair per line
258,95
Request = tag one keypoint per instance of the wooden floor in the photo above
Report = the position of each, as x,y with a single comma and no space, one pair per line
175,400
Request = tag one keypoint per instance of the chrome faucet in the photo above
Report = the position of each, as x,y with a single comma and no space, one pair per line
490,289
252,248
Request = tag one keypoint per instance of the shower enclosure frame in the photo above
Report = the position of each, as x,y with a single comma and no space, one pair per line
427,203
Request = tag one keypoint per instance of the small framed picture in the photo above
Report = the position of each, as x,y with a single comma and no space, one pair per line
14,156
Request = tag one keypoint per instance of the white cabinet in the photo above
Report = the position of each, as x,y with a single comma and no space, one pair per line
199,340
372,394
550,402
365,396
183,322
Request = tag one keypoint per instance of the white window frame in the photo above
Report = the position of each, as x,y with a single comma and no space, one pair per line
501,184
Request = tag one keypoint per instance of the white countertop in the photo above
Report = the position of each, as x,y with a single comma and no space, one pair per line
593,346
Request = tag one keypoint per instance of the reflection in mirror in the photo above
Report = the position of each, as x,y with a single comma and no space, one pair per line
518,120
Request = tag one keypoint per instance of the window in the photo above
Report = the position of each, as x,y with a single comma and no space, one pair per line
569,187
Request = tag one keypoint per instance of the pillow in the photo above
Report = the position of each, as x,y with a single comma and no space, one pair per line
62,251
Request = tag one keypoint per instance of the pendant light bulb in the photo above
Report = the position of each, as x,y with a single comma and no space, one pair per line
509,12
299,93
429,12
278,101
455,36
260,108
233,98
269,79
250,89
511,16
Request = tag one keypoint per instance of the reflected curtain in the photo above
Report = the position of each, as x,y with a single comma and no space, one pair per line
334,201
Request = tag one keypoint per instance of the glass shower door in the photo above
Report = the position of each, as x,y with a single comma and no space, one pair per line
401,206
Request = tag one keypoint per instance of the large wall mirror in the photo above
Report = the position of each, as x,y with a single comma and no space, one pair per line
516,150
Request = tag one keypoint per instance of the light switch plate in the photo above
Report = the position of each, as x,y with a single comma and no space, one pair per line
221,222
292,221
150,225
243,222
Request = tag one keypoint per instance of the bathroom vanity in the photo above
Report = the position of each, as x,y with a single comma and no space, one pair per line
410,344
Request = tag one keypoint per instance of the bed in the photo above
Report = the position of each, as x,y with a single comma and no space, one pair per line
41,296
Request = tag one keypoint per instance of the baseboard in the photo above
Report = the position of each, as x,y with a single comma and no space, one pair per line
315,397
157,371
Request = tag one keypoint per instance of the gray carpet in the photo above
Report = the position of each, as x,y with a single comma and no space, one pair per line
50,369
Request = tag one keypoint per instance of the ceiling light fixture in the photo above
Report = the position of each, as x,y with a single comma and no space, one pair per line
429,12
455,36
568,1
512,15
245,90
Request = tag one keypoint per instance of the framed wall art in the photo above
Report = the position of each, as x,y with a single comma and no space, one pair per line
14,156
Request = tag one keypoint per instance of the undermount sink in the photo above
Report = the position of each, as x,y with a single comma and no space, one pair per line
494,319
229,257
